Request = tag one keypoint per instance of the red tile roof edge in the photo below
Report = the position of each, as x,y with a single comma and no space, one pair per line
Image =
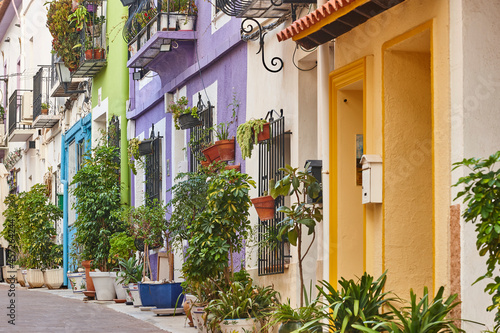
312,18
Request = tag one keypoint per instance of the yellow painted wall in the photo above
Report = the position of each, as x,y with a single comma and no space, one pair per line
367,40
408,170
350,210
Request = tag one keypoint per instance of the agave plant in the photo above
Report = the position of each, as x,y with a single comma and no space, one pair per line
426,316
354,306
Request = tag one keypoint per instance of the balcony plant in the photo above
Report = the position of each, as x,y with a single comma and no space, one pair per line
79,18
225,145
299,215
184,117
64,33
45,108
2,114
247,135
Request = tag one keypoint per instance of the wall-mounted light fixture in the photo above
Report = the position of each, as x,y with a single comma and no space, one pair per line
136,76
65,78
7,39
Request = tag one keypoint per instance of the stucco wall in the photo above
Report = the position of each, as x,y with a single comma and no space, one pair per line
474,121
368,40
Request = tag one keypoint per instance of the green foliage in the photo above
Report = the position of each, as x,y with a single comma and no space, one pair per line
189,200
29,228
179,108
355,306
97,192
243,300
131,271
246,135
122,246
222,129
133,155
79,18
299,185
64,33
426,316
220,229
148,223
482,195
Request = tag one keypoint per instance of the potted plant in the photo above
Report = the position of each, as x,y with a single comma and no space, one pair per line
79,18
45,108
264,206
225,146
354,306
64,32
291,319
189,11
243,307
247,135
131,275
184,117
299,185
95,222
122,247
2,114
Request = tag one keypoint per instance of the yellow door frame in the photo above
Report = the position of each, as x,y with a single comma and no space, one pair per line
339,79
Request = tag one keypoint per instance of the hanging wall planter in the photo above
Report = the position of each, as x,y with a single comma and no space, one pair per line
226,149
264,207
186,120
146,147
265,134
211,153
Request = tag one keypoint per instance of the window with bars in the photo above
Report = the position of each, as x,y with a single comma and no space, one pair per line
273,254
151,149
201,135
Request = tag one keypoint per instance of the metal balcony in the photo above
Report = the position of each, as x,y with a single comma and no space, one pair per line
43,117
20,115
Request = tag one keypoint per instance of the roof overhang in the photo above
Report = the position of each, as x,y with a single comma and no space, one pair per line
334,18
7,15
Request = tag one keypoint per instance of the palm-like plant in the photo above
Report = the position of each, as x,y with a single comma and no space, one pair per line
355,306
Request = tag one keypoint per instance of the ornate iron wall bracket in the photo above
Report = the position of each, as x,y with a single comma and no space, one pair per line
247,29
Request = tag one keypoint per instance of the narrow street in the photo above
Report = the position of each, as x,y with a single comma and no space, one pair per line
38,311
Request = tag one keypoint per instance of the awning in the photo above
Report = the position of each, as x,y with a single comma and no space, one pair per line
334,18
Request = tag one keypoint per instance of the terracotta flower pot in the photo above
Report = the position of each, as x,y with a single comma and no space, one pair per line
265,134
264,207
89,54
211,154
90,284
226,149
98,53
236,166
45,111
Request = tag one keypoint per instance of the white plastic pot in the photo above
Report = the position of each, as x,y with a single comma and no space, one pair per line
120,292
104,285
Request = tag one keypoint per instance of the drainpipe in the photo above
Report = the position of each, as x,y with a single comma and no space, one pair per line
64,181
324,149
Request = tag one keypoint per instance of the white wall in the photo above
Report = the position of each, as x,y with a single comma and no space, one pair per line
475,84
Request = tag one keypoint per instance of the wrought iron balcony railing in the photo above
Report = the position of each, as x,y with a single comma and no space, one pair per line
20,115
44,115
146,20
92,40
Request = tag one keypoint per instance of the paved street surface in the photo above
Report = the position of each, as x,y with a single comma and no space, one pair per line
43,310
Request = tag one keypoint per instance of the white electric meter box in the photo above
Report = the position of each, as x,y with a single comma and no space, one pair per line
372,178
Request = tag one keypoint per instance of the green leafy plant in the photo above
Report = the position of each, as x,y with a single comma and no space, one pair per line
243,300
179,108
45,106
134,156
64,33
2,112
29,228
354,306
222,129
79,18
131,271
246,135
426,316
122,246
299,185
148,223
97,191
481,194
220,229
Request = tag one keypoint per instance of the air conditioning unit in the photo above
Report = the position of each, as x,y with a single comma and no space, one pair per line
27,106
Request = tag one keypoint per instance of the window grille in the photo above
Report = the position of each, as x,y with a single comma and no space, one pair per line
201,135
153,169
114,136
272,253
